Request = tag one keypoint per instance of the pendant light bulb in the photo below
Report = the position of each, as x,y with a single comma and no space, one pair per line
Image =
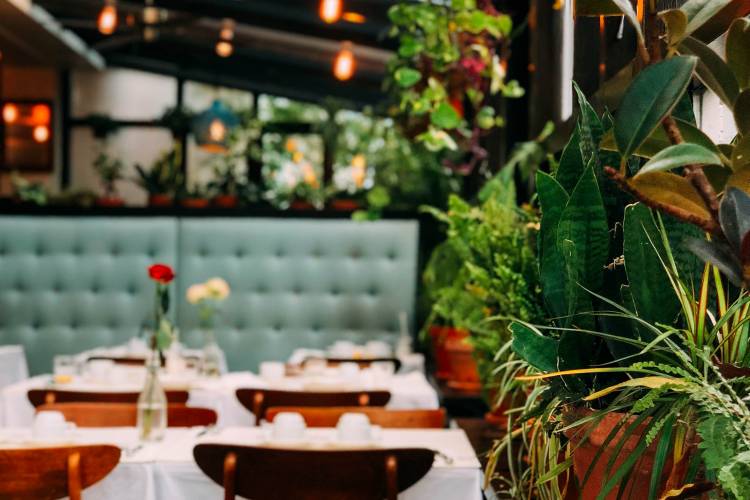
344,65
10,113
107,20
224,48
330,10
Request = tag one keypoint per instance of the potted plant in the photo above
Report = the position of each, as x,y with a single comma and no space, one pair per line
163,178
640,358
194,196
293,182
109,170
26,191
350,184
449,69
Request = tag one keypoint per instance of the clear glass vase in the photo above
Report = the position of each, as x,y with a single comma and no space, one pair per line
152,403
212,355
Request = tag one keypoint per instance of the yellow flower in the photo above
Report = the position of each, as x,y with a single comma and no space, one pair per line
297,157
196,293
359,161
217,288
290,145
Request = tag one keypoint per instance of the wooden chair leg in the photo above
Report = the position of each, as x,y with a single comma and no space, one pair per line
257,407
391,474
230,473
364,399
74,476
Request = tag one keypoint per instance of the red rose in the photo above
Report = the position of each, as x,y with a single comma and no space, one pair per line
161,273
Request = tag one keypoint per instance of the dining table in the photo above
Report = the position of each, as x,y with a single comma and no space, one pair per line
166,469
408,391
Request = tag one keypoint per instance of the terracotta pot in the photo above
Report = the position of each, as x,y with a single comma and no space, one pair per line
194,202
732,371
226,201
110,201
301,205
439,335
464,373
345,205
496,416
585,453
160,200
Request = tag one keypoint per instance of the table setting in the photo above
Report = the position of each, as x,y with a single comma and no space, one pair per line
166,468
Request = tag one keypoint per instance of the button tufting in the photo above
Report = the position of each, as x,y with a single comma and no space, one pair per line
239,253
280,253
392,255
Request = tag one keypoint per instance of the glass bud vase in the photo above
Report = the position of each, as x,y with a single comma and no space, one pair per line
212,355
152,403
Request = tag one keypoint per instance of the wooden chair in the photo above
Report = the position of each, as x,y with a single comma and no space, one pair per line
403,419
126,414
48,473
273,473
38,397
259,400
362,362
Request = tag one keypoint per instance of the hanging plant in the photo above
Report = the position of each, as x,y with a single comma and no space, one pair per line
178,120
450,66
102,125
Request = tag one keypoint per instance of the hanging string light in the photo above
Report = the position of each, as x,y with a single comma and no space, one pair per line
107,20
10,113
41,134
330,10
344,65
224,47
151,13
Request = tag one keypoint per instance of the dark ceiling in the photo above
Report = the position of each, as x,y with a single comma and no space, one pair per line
281,46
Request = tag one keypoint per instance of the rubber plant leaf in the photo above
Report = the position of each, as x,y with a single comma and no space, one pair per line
676,22
740,179
700,12
720,22
712,70
720,255
680,155
671,189
658,140
651,97
734,215
741,154
738,51
742,112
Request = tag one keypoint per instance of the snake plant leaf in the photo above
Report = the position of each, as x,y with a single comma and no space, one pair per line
738,51
676,22
671,189
552,200
645,259
659,141
742,112
734,215
571,163
741,154
590,128
699,12
680,155
533,347
651,97
712,70
584,222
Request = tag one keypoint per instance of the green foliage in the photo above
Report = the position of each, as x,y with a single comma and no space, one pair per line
109,170
164,176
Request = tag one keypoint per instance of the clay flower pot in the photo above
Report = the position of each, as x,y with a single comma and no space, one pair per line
464,372
194,202
301,205
110,201
585,454
439,335
226,201
345,205
160,200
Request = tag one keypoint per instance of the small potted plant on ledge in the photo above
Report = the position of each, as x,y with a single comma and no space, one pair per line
109,170
350,184
194,196
228,182
294,184
162,179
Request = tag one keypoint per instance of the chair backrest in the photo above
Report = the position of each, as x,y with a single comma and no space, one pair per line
272,473
126,414
49,473
399,419
362,362
259,400
38,397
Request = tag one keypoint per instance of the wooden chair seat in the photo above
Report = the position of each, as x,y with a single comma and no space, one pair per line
259,400
126,414
362,362
50,473
329,417
274,473
38,397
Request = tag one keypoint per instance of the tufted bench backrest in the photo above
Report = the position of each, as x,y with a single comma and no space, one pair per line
74,283
299,282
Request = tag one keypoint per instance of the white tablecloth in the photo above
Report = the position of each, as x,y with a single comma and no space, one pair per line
13,368
166,470
408,391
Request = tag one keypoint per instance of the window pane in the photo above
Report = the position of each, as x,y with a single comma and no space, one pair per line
122,94
281,109
199,96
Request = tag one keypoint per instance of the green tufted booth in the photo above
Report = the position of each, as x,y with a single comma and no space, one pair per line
73,283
